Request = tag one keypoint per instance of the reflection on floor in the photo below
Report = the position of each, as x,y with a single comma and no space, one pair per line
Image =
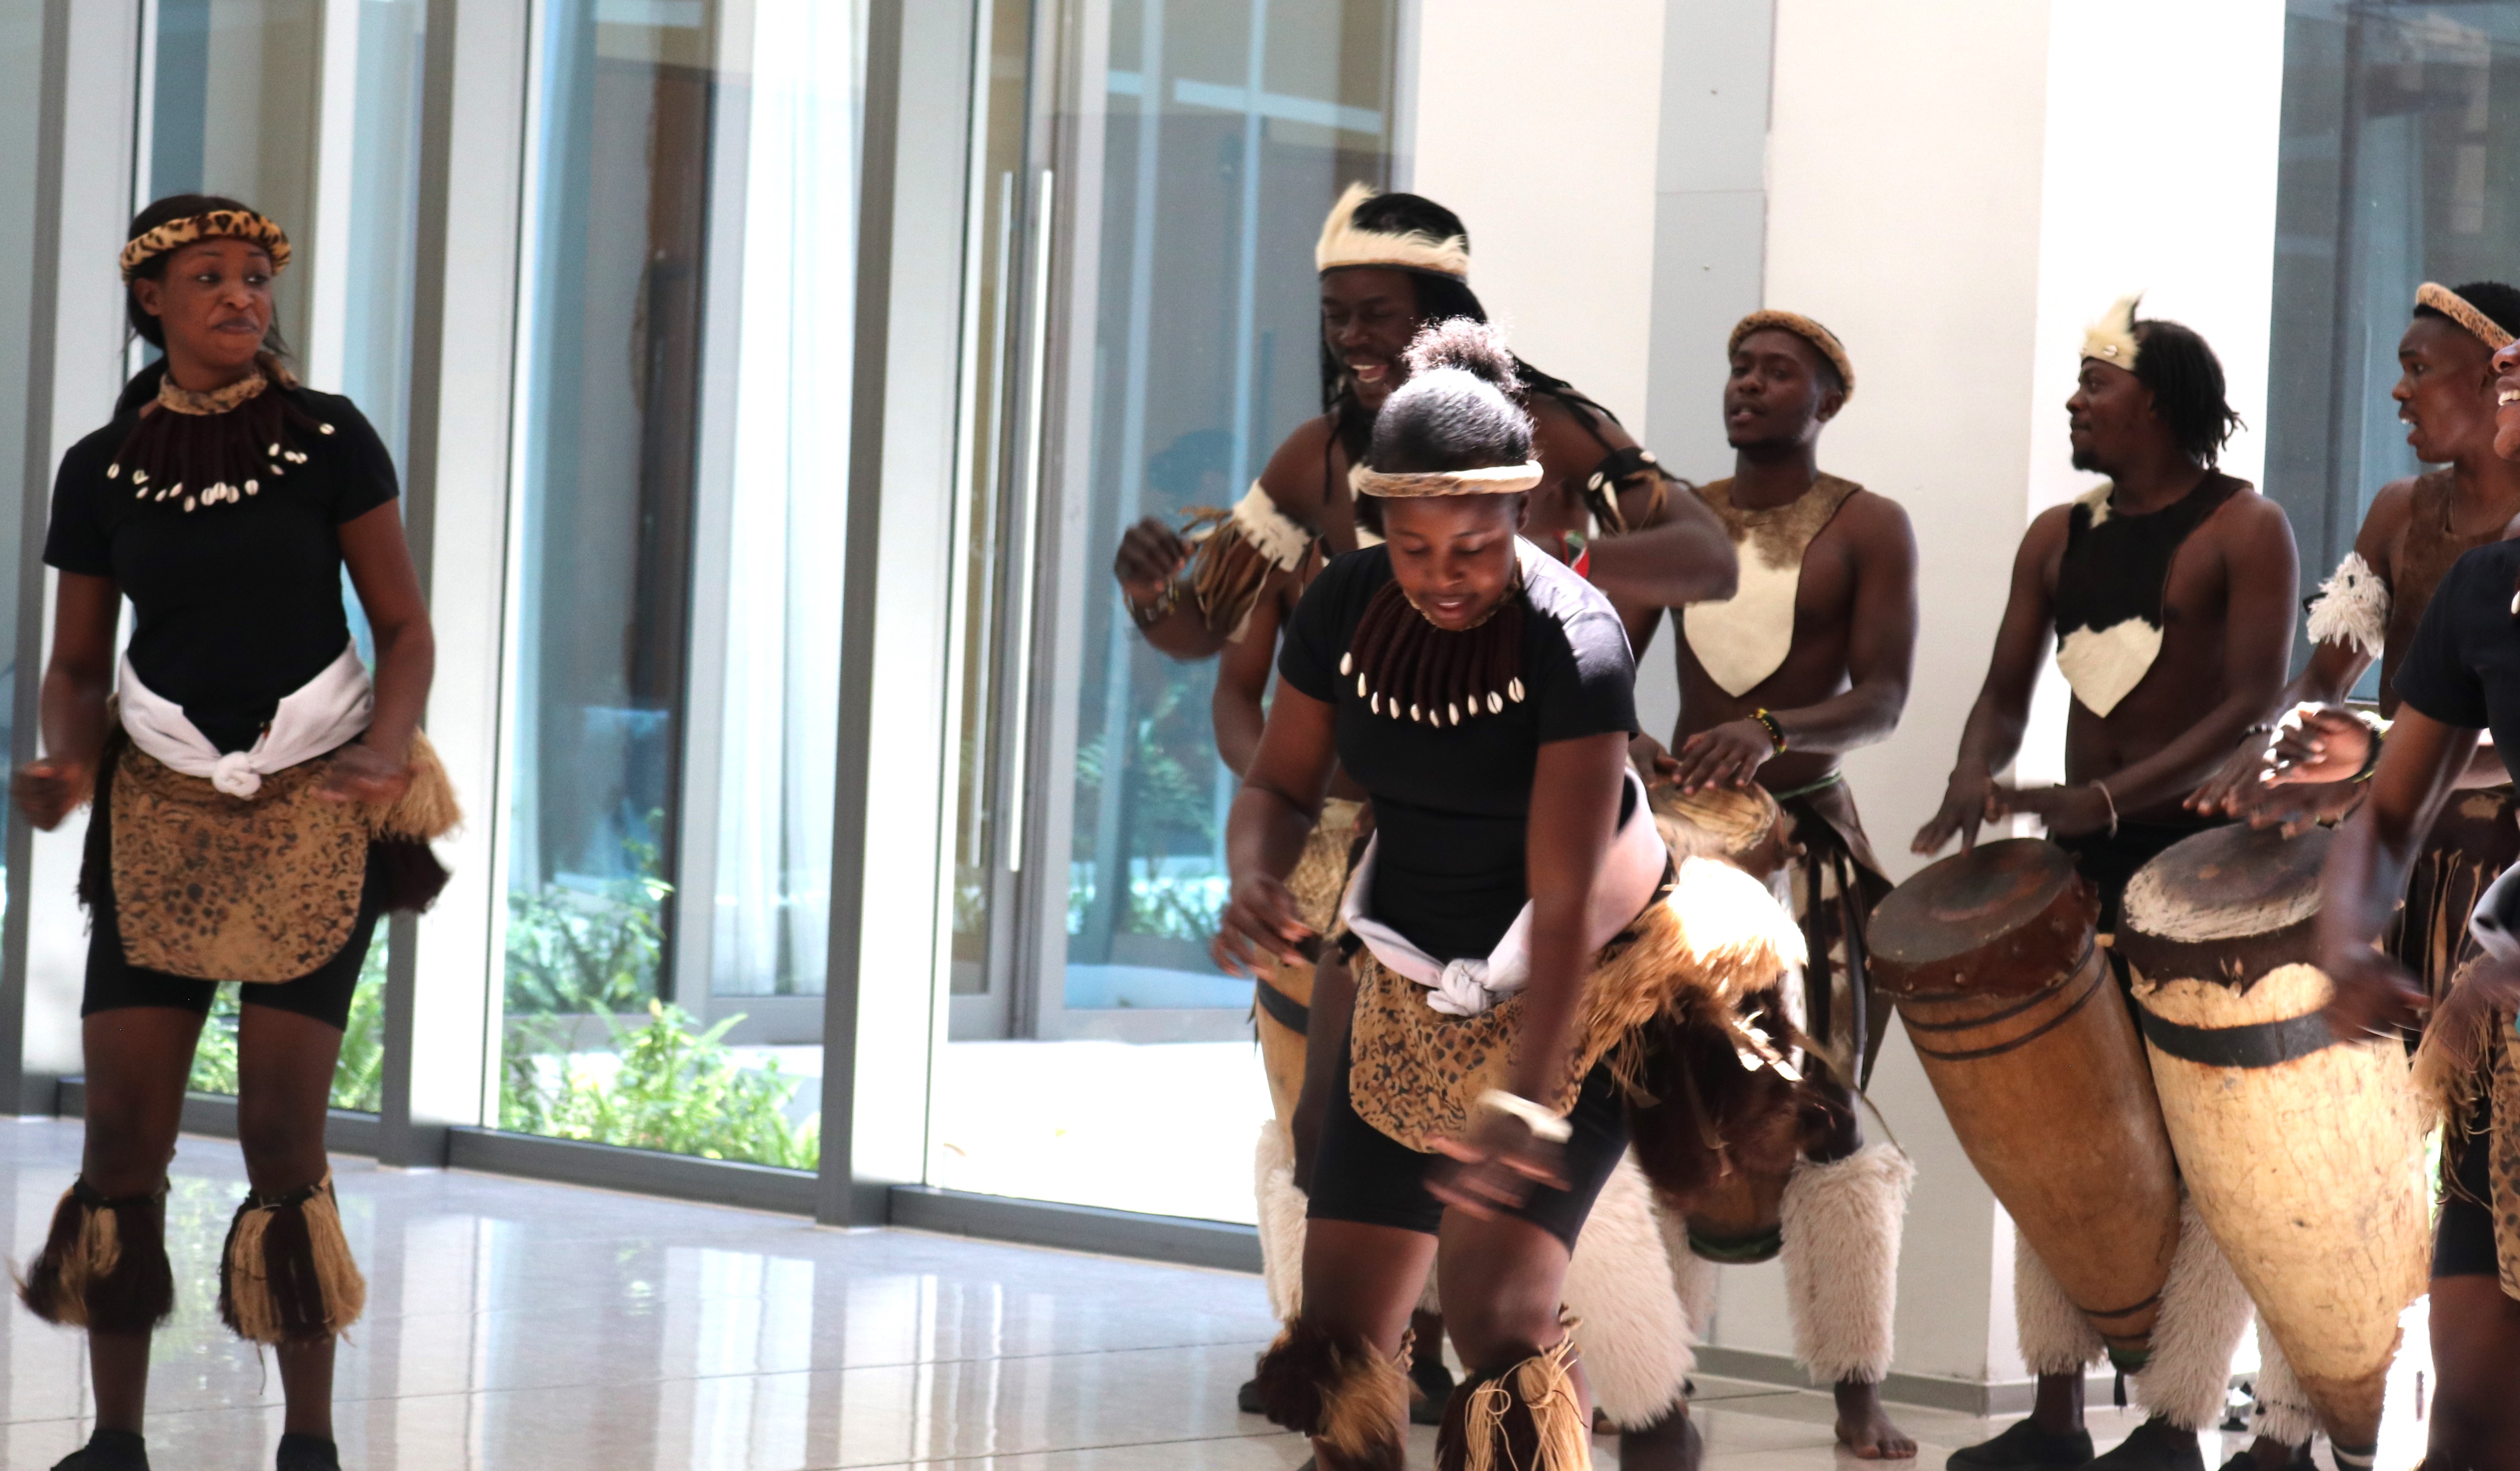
1082,1121
512,1324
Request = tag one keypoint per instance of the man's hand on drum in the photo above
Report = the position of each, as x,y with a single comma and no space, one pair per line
1494,1170
2240,777
1261,921
1725,755
1149,558
1657,766
2373,995
2326,744
2066,811
1967,801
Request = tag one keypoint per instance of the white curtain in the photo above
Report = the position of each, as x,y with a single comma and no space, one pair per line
783,648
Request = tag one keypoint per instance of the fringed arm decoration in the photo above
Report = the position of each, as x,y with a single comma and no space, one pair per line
2352,608
1235,553
1601,488
409,874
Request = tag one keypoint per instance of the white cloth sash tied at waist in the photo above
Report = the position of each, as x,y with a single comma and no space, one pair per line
326,712
1630,874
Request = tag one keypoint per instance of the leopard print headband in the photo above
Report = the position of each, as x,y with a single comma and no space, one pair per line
216,224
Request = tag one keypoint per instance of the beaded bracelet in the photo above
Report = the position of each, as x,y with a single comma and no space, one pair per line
1776,732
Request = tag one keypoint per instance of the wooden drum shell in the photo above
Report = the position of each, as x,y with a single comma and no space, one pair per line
2304,1156
2028,1044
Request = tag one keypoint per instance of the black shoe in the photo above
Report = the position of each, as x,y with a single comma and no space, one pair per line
1434,1384
109,1450
1247,1397
2023,1446
2155,1447
308,1453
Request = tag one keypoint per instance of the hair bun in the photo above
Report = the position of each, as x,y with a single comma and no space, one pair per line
1472,346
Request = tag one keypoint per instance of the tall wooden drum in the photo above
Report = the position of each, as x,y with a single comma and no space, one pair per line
1990,958
2304,1154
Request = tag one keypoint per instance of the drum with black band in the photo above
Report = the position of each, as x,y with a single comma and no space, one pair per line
1990,957
2305,1155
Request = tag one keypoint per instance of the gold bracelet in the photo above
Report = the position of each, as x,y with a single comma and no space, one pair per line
1543,1124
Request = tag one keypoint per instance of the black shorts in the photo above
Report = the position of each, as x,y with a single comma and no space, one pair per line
324,993
1365,1175
2463,1240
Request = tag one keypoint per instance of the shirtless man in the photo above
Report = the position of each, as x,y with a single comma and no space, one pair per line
1389,265
1808,661
2415,529
2169,592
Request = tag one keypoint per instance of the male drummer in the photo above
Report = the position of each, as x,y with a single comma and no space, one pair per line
1809,659
2169,592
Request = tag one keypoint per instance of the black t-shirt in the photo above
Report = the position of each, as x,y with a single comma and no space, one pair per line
2465,668
1450,804
235,604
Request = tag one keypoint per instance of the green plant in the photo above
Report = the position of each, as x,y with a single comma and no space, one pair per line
573,951
670,1088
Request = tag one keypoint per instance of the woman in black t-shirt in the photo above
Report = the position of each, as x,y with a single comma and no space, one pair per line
259,799
2460,679
1480,691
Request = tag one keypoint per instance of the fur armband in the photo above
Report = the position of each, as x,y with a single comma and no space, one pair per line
2352,608
1237,551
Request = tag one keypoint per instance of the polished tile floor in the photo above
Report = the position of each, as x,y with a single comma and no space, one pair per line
512,1324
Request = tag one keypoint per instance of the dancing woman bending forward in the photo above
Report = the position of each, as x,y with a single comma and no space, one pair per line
259,801
1481,692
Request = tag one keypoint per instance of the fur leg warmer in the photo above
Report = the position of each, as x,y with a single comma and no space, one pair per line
1842,1222
2055,1337
1692,1277
286,1274
1525,1416
1342,1392
104,1264
2204,1311
1282,1221
2283,1412
1634,1339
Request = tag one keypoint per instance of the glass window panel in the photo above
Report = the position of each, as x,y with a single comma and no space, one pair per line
690,277
2400,164
21,91
310,112
1194,188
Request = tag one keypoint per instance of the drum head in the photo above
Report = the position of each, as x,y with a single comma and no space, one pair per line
2007,914
2230,903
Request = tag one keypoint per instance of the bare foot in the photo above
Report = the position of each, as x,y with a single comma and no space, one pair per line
1864,1426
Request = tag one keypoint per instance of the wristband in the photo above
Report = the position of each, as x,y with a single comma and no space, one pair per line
2107,796
2372,757
1543,1124
1776,732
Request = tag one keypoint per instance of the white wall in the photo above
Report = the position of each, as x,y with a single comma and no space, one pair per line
1542,138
